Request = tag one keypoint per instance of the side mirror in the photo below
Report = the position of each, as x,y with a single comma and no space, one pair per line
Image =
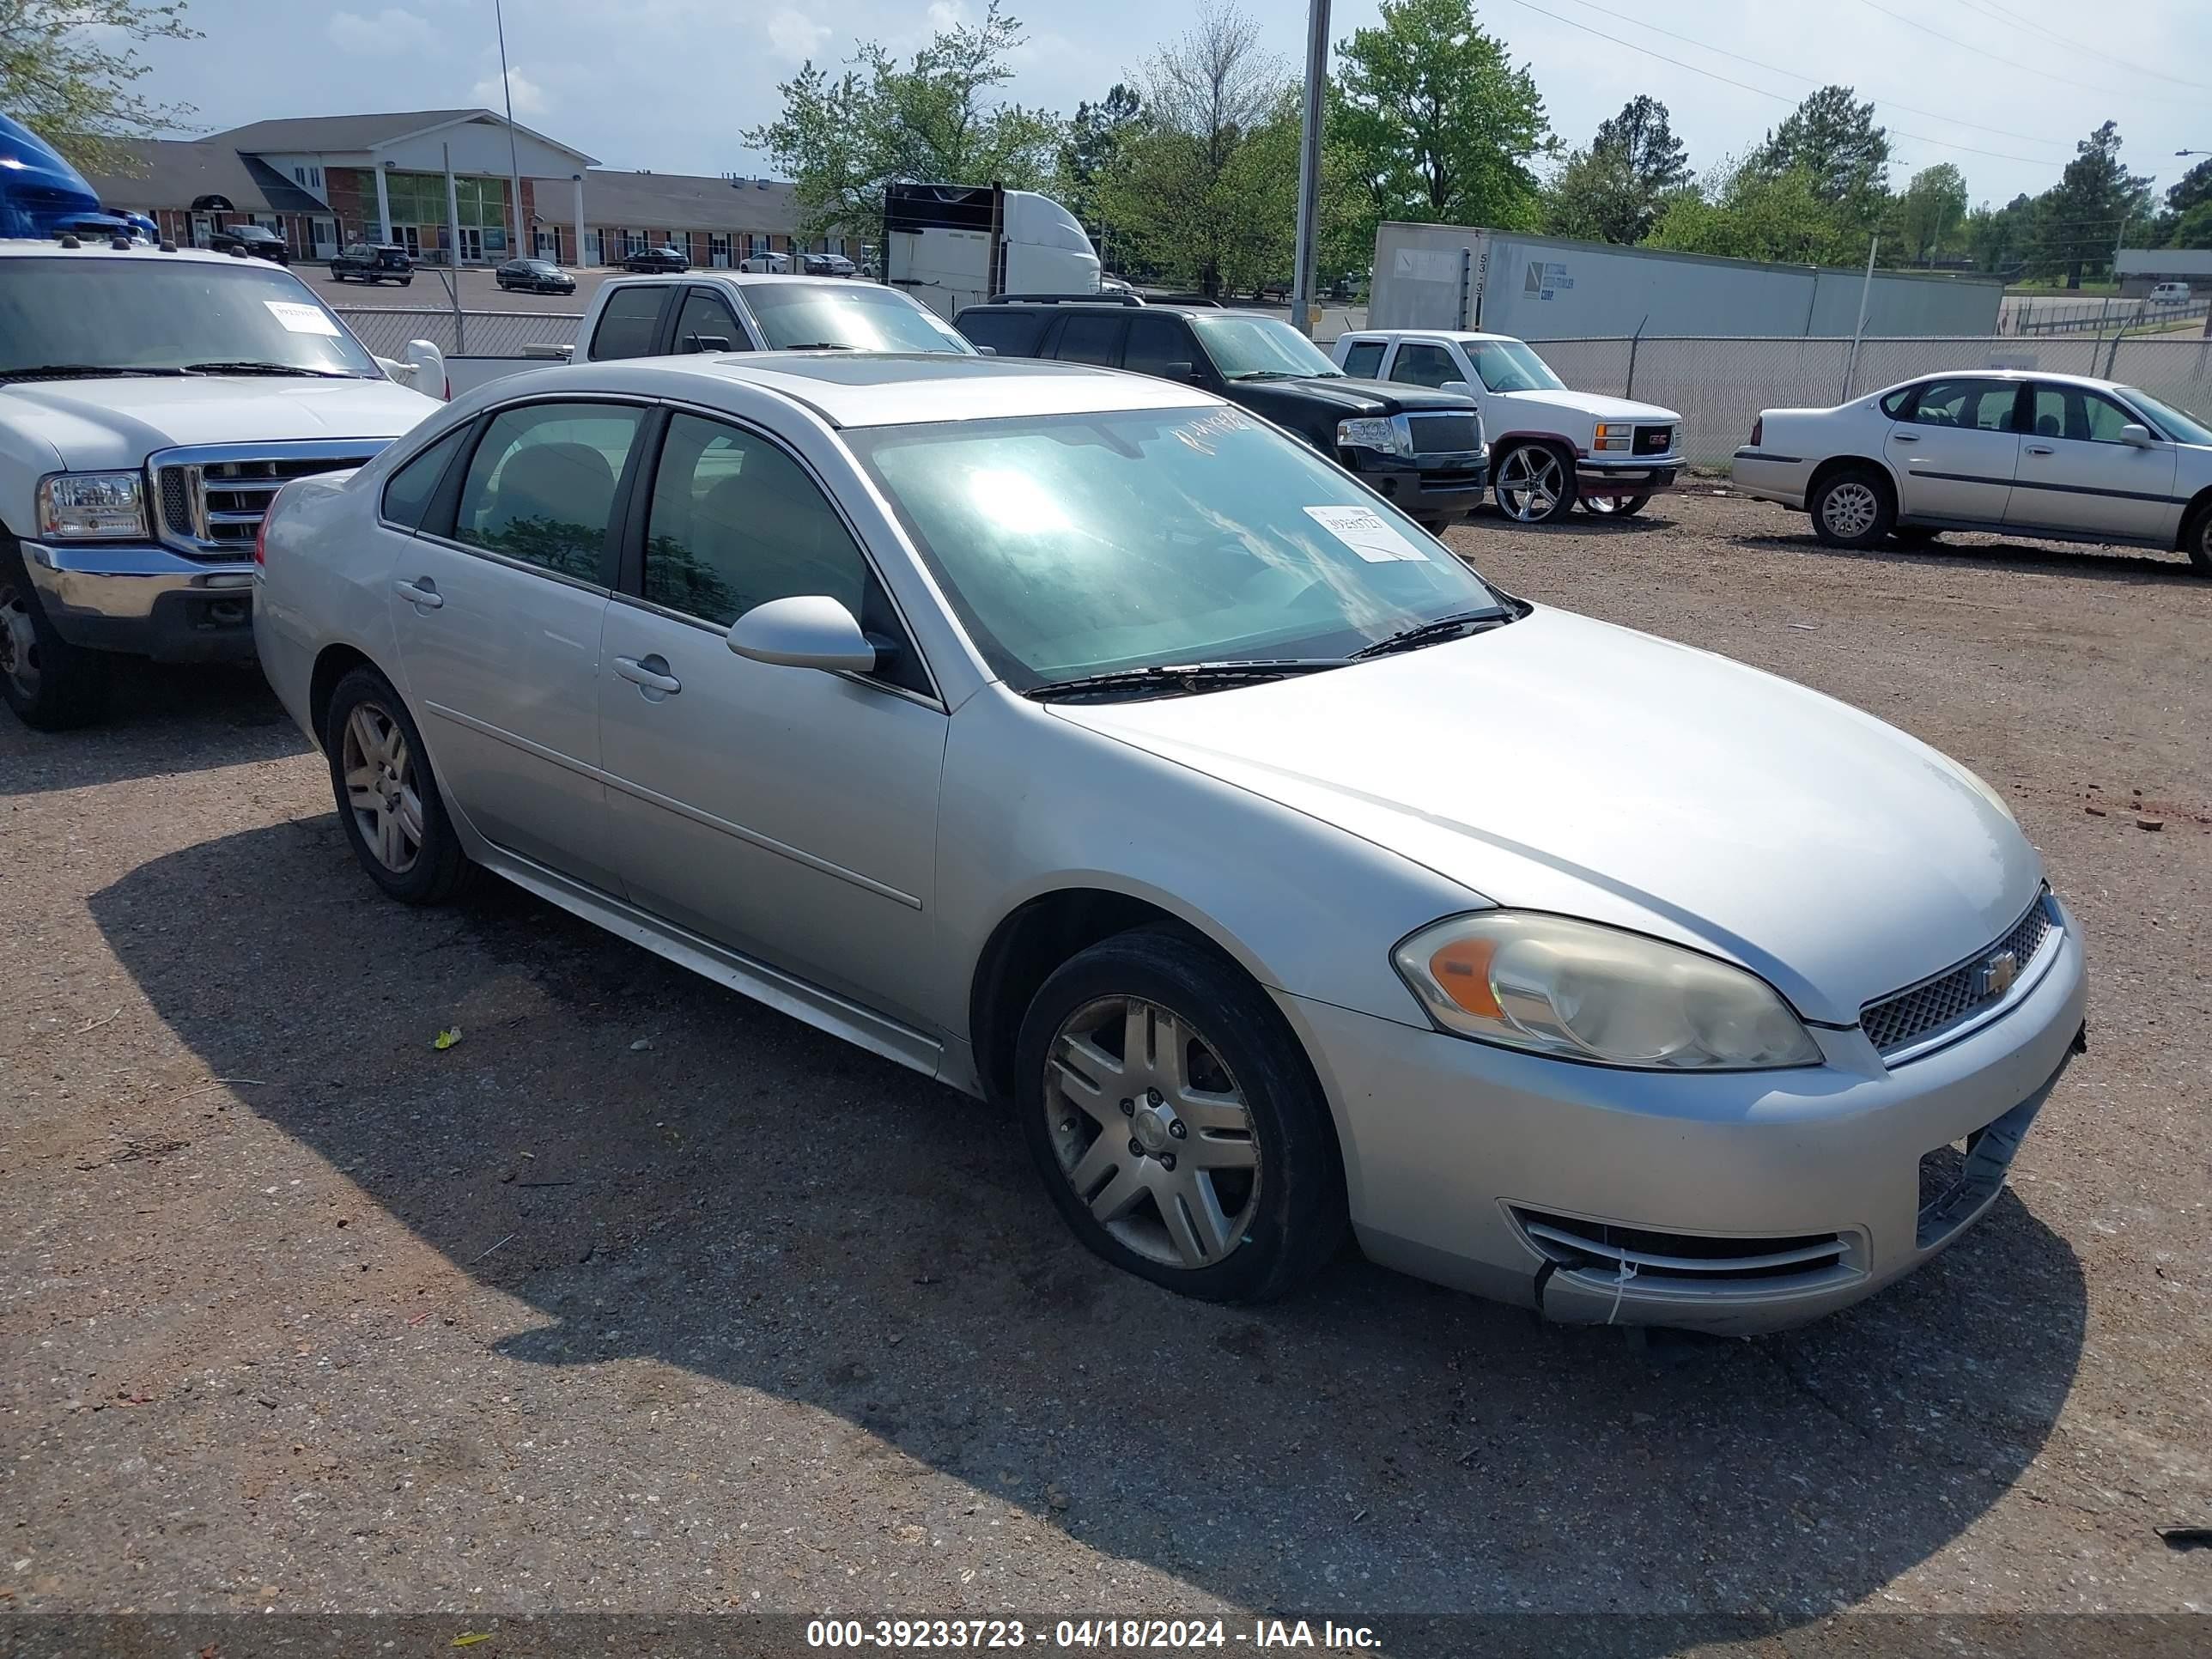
2137,436
808,630
1459,386
987,351
707,342
1179,371
429,367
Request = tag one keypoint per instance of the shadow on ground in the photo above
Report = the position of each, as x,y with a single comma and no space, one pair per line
2102,563
774,1211
160,719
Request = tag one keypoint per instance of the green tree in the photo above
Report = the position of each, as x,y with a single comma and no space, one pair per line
1833,139
1748,211
2079,221
1931,215
1614,191
1170,186
1997,239
2192,190
69,70
2194,227
1438,123
1087,148
936,118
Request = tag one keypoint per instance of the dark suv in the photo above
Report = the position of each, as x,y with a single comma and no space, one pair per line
258,240
1421,449
365,262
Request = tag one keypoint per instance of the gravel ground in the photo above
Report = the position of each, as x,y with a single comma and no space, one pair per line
643,1298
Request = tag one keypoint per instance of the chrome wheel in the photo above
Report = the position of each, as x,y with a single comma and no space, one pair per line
1614,507
1530,481
1152,1132
1849,509
382,787
19,642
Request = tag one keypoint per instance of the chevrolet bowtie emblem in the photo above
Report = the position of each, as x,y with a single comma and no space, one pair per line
1999,972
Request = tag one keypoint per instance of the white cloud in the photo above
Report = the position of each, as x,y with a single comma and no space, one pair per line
945,15
387,34
529,97
793,35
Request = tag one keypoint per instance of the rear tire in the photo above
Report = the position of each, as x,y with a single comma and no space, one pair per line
1853,508
387,798
1615,507
52,685
1217,1084
2196,540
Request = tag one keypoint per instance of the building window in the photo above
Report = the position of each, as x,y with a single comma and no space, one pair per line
718,250
315,177
300,175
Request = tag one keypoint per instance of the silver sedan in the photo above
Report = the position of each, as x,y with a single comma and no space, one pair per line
1082,741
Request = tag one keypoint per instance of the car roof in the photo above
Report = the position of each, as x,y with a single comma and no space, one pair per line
2045,375
97,247
1121,307
1464,336
870,389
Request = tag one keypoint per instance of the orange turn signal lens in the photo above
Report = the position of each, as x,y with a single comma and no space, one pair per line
1461,971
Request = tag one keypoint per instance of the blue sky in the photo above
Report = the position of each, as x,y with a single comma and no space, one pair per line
672,84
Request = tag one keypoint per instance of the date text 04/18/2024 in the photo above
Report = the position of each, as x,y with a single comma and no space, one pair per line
1107,1634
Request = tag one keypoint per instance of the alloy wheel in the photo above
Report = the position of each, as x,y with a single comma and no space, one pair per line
1849,509
1609,507
382,787
1152,1132
1530,483
19,642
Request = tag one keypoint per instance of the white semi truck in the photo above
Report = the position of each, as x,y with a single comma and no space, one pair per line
951,246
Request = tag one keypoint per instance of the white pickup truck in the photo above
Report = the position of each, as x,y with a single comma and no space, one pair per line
728,310
153,400
1549,445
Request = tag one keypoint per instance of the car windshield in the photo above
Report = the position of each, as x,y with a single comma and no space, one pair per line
1510,366
796,315
2181,425
1261,348
1074,545
157,311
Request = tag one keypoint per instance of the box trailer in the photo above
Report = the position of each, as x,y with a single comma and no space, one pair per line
1541,288
951,246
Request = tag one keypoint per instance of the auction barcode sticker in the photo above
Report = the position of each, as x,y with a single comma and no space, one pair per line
302,318
1363,530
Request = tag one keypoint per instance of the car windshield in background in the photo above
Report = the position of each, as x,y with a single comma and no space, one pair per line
1076,545
1261,348
155,313
2180,424
1510,366
798,315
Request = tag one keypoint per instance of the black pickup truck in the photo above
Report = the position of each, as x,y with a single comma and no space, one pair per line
1421,449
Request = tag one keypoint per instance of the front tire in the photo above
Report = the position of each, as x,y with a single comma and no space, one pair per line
1534,484
52,685
387,799
1615,507
2196,540
1175,1122
1853,508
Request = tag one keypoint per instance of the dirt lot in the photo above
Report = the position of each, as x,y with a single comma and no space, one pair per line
643,1298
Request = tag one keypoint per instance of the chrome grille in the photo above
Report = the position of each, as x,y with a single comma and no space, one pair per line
1920,1010
1445,434
213,500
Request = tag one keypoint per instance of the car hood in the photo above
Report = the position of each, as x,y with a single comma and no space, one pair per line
1585,402
1566,765
1348,397
95,424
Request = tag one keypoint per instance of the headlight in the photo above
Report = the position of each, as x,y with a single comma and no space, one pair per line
1575,989
92,506
1374,432
1981,787
1615,436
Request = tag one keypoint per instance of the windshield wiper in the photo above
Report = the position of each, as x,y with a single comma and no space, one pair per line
1433,633
249,367
60,371
816,345
1274,374
1166,678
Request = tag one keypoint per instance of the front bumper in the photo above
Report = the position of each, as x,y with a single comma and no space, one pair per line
1624,475
145,601
1453,1150
1435,486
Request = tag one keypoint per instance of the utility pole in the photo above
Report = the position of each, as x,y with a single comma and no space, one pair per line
1303,283
1865,293
515,249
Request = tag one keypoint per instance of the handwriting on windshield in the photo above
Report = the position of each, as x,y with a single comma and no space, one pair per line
1199,434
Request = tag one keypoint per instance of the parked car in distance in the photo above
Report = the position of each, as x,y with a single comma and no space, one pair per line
1550,446
828,264
656,258
766,265
367,262
1121,286
2053,456
2170,294
258,240
1418,449
1086,742
534,276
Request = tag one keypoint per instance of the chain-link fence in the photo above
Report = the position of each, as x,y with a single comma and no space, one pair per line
1718,386
462,334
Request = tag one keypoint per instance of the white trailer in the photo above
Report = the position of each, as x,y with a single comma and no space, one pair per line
951,246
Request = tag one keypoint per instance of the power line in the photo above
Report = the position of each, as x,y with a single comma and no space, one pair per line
1990,8
1810,80
2010,63
1779,98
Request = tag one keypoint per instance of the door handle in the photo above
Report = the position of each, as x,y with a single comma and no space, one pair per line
1904,438
652,674
2041,449
423,594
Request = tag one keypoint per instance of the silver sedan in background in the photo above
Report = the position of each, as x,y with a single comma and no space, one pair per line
1080,740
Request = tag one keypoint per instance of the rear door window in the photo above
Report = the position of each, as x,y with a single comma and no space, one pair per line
541,486
1088,337
1363,359
1006,330
1971,405
630,326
